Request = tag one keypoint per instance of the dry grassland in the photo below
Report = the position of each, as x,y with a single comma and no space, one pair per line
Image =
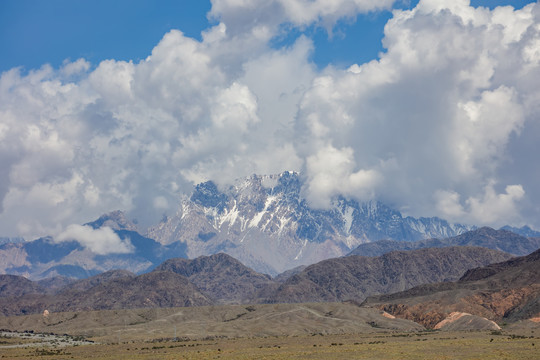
284,331
431,345
231,321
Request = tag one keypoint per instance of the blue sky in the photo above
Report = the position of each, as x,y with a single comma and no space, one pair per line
34,32
444,121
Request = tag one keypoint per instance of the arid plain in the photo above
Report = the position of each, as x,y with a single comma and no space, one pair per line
280,331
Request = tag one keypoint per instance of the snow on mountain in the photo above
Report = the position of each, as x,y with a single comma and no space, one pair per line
265,223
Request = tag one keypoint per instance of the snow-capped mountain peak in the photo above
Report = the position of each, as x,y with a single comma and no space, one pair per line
264,222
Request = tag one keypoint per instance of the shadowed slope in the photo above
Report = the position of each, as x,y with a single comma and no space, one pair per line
356,277
502,240
14,285
221,276
155,289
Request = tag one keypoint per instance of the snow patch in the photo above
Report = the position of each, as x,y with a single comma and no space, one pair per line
283,221
229,216
258,217
348,219
185,209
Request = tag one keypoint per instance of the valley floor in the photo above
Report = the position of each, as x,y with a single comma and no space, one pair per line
280,331
421,345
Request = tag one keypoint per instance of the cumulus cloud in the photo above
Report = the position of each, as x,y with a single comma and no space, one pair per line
439,110
245,14
483,127
330,173
78,67
444,123
488,208
100,241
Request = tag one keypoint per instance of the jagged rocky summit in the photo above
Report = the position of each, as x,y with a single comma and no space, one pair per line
266,223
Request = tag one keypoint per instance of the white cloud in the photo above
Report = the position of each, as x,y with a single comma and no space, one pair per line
241,15
487,208
235,109
451,108
483,127
439,110
160,203
331,172
77,67
100,241
112,80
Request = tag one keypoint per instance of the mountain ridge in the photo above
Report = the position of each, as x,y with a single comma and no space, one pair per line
356,277
266,223
502,240
503,291
262,221
220,279
220,276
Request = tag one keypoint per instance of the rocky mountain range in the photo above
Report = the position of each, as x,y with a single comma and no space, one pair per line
266,223
127,291
221,279
504,292
503,240
523,231
356,277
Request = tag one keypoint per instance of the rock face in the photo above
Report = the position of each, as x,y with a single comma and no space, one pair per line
221,277
155,289
113,290
86,284
506,291
356,277
116,220
264,222
54,284
15,286
502,240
